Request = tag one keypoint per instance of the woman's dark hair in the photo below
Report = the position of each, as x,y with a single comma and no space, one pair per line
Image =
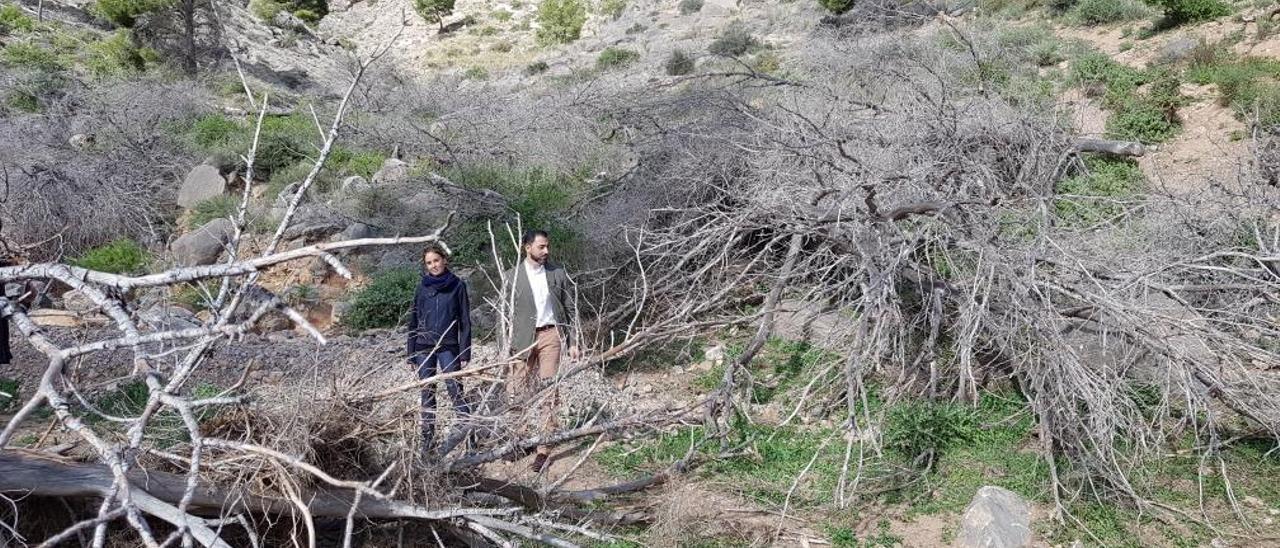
531,235
437,249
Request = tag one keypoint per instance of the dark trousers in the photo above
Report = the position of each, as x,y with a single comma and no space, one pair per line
440,361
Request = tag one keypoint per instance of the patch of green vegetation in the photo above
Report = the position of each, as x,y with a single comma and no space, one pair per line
1098,196
125,13
1148,116
501,15
734,40
9,393
353,162
536,68
1177,12
307,16
215,131
679,63
1010,9
1249,85
30,56
13,19
689,7
117,56
613,8
476,73
217,207
538,195
836,6
560,21
614,58
385,301
123,256
193,297
1103,12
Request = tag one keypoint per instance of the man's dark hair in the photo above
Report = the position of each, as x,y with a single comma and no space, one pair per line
531,235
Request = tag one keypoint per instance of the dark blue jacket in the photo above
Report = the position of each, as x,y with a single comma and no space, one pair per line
441,319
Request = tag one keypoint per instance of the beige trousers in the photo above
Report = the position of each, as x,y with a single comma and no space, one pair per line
528,375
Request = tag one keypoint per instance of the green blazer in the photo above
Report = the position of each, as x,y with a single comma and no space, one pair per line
525,312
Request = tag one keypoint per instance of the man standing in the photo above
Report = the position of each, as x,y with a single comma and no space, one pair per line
542,299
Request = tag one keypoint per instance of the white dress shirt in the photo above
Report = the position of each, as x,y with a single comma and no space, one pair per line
541,295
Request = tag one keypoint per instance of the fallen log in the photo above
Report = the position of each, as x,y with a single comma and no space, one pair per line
25,473
1118,148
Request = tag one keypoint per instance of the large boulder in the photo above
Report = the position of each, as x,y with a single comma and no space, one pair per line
392,171
355,184
201,183
312,223
203,245
995,518
1177,49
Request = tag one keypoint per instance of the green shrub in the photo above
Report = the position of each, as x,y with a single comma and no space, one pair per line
266,10
216,131
123,256
536,68
1095,197
926,427
217,207
612,58
689,7
284,141
476,73
836,6
22,100
286,176
13,19
502,46
125,13
1191,11
9,391
363,163
307,16
434,11
560,21
679,63
733,41
539,195
1102,12
385,301
501,15
1141,121
117,56
1249,85
30,56
128,400
613,8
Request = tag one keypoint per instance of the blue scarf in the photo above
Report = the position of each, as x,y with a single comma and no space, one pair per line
444,283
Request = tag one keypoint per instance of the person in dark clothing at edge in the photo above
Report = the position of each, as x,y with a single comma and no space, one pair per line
439,336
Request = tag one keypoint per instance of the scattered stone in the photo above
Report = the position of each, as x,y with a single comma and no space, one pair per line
77,302
162,317
995,518
203,245
201,183
1253,501
1177,49
81,141
392,171
1219,542
273,321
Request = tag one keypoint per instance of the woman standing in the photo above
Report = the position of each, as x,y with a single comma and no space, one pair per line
439,336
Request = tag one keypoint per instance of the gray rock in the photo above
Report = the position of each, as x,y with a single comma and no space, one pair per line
203,245
995,518
201,183
162,317
355,184
1177,49
77,302
340,309
392,171
81,141
356,231
312,223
